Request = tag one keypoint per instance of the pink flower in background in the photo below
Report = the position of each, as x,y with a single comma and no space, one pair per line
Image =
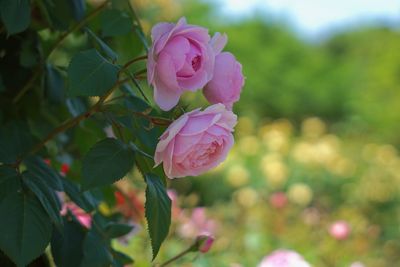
84,218
339,230
181,58
284,258
175,209
197,224
227,81
278,200
196,142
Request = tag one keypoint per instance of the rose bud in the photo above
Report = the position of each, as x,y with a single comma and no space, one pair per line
227,81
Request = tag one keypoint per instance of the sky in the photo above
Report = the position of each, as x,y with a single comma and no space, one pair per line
313,17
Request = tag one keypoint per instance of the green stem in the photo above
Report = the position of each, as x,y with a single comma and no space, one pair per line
39,68
74,121
127,64
180,255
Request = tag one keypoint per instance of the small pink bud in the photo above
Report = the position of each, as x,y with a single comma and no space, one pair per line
204,243
339,230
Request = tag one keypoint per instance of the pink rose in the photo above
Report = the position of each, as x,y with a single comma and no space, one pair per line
284,258
196,142
181,58
227,81
339,230
197,224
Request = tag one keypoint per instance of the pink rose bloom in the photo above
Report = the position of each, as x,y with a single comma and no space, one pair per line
278,200
196,142
181,58
339,230
83,218
197,224
227,81
284,258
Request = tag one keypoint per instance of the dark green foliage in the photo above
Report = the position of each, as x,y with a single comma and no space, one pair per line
9,181
46,195
108,161
96,253
114,23
52,64
85,200
25,228
90,74
55,84
15,14
158,211
15,140
66,247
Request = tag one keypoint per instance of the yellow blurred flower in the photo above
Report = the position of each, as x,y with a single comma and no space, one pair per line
313,127
300,193
246,197
237,176
249,145
274,170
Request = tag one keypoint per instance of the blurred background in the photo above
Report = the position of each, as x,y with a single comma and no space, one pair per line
315,167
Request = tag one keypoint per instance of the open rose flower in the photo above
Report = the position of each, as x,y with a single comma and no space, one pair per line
196,142
181,58
227,81
284,258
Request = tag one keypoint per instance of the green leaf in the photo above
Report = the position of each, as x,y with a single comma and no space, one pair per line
107,161
40,169
15,140
29,55
84,200
90,74
95,251
114,230
158,211
104,47
66,247
115,22
46,195
136,104
59,13
78,9
76,106
55,86
16,15
121,259
9,181
25,228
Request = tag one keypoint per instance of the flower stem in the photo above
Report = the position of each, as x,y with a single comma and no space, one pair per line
38,70
74,121
127,64
180,255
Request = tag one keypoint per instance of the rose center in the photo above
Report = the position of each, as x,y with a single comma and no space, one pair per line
196,62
